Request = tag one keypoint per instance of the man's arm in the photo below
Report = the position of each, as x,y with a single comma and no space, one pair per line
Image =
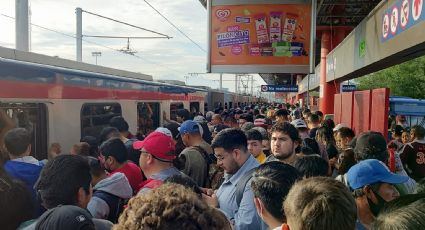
246,217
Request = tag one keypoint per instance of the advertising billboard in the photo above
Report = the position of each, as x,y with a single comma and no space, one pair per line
259,36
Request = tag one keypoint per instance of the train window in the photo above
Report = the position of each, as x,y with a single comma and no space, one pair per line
75,80
95,117
173,109
31,116
148,115
194,107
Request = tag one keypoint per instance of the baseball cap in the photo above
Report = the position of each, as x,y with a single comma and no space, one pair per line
298,123
199,119
189,127
372,171
370,142
158,144
260,122
65,217
339,126
164,131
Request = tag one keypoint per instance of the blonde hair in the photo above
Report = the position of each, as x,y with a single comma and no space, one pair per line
170,206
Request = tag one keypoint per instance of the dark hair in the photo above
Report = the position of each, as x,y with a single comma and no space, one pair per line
107,133
311,166
307,151
281,113
346,132
312,144
230,139
328,123
287,129
119,123
186,181
206,134
17,141
405,213
326,135
96,168
371,145
61,178
314,118
248,117
16,202
419,131
318,113
184,114
271,183
253,134
347,162
114,148
230,119
94,145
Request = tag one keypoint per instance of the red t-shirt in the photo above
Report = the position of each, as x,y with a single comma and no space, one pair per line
133,174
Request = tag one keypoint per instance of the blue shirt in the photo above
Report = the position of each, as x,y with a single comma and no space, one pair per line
245,216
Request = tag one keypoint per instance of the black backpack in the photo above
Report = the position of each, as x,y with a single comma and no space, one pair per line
116,204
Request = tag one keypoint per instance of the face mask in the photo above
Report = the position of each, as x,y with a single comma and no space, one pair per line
376,208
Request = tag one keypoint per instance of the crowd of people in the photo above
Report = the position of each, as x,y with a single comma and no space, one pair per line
264,166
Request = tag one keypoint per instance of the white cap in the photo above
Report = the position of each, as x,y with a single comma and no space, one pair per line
339,126
299,123
164,131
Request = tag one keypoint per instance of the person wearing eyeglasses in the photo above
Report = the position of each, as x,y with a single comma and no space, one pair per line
156,159
235,197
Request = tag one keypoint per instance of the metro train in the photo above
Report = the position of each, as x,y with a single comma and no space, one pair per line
61,105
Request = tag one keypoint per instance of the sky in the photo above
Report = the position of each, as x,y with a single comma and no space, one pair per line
172,59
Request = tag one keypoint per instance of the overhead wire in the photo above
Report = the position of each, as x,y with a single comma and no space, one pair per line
97,44
178,29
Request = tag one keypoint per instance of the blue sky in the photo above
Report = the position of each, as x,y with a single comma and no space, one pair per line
161,58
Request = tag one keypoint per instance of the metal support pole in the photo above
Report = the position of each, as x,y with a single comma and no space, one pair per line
236,84
252,85
221,81
312,47
79,35
22,25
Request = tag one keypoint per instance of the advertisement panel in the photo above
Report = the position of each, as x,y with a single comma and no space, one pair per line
263,37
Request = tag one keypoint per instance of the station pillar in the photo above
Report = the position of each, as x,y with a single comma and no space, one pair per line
327,90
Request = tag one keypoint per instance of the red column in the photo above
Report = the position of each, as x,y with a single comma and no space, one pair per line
327,90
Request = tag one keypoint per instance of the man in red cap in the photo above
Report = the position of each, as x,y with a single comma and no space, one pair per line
156,159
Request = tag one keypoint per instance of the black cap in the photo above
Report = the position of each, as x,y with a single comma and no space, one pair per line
371,143
397,129
65,217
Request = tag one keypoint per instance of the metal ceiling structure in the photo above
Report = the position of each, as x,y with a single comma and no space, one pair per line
330,13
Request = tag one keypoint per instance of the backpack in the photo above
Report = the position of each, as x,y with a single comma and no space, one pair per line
116,204
215,174
240,186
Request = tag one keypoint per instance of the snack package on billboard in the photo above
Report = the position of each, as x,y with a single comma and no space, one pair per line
282,49
289,27
254,50
275,26
261,29
297,48
266,49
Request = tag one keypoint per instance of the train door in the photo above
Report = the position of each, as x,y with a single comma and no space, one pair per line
174,106
194,107
32,117
148,118
96,116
